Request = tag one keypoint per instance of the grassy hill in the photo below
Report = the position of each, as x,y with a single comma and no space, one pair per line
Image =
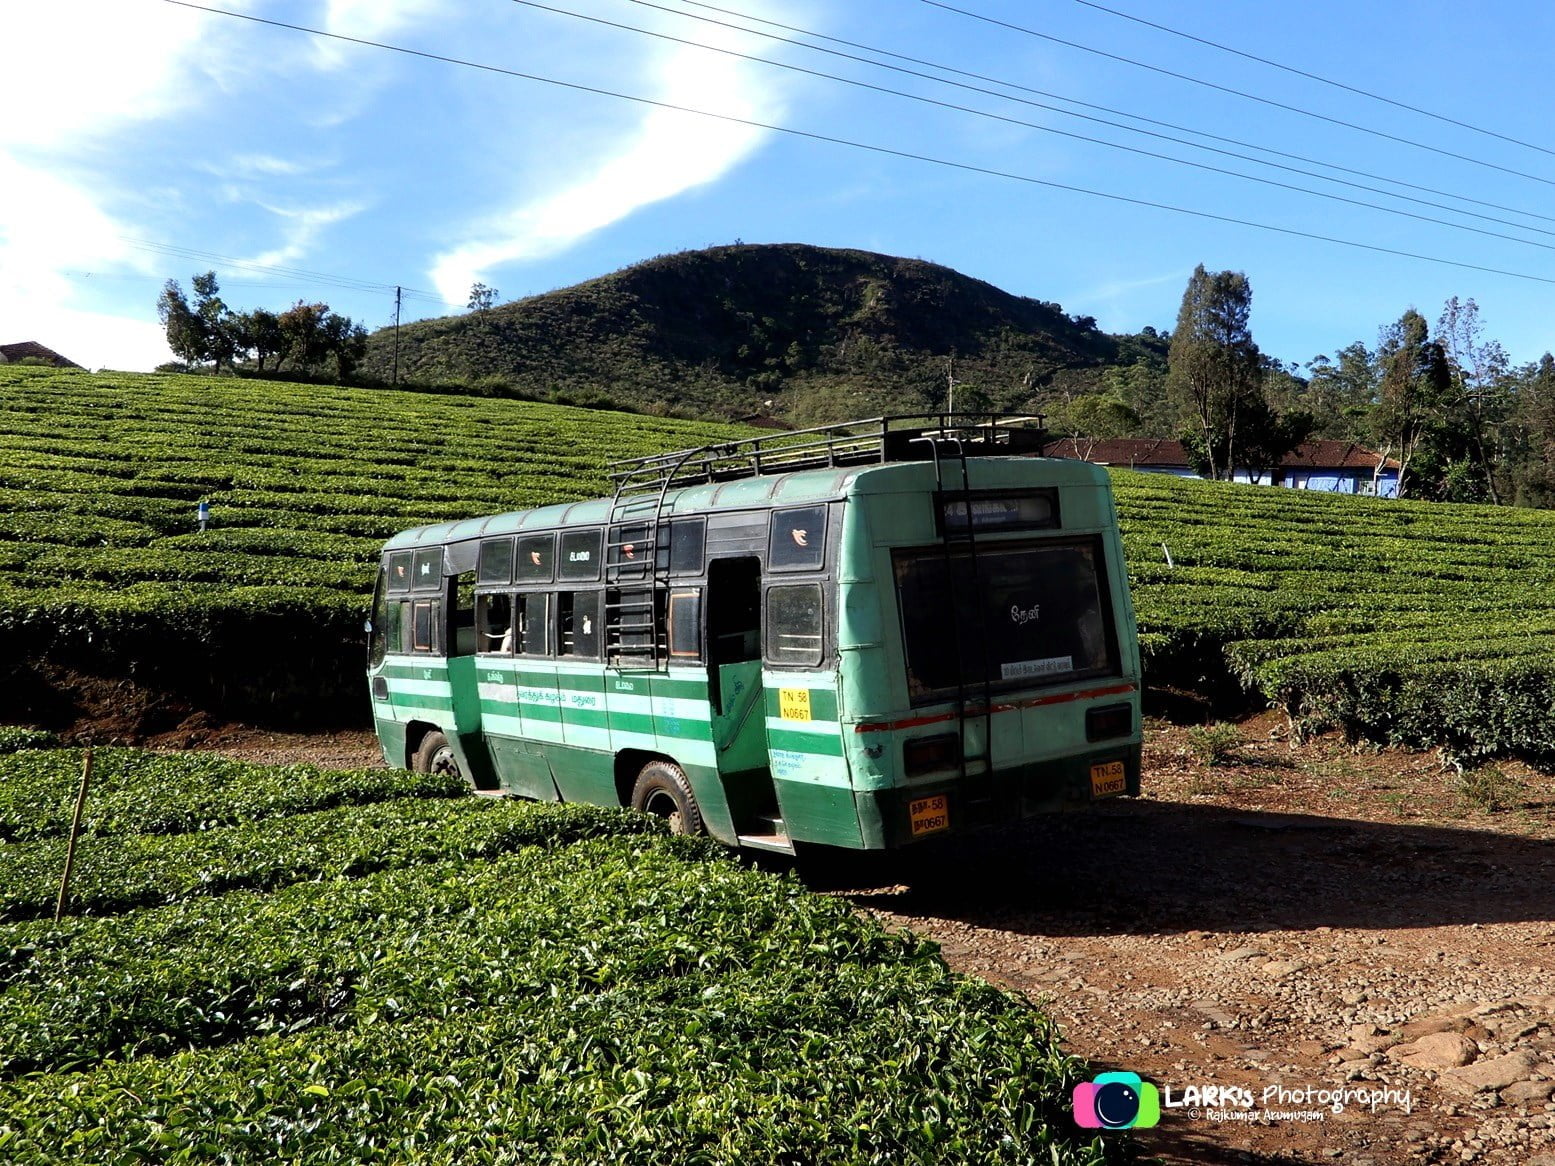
1425,623
821,334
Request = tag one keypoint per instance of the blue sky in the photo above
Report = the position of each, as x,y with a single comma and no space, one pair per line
144,141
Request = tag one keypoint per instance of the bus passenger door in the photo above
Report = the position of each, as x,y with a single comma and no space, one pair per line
735,691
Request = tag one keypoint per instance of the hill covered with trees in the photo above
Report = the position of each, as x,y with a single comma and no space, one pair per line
804,333
811,334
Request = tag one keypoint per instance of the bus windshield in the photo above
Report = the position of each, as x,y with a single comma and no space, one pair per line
1021,616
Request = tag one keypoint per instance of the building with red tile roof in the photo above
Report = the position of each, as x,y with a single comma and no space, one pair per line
1335,467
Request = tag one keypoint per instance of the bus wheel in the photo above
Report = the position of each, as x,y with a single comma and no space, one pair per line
436,755
663,791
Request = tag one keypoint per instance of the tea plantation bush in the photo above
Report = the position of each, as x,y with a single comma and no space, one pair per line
1419,623
458,980
102,569
117,873
136,792
1406,622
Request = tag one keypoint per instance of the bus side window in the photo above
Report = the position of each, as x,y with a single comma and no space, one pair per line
681,546
535,558
578,622
685,624
580,554
793,625
402,642
423,626
532,614
427,569
461,624
494,624
496,561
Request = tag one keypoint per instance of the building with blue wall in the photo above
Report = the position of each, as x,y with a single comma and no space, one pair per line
1332,467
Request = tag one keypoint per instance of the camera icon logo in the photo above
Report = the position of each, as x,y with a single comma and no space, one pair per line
1116,1101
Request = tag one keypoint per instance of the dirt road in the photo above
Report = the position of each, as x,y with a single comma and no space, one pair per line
1294,923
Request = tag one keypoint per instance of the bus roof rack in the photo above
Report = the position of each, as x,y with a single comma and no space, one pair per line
871,441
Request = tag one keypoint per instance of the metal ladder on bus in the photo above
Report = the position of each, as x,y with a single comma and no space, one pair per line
634,584
636,576
981,791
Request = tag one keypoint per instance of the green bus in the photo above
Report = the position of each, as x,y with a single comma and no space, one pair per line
855,636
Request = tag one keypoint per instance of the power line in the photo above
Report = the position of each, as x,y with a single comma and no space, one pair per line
887,151
1007,84
1078,137
1070,113
1441,117
1234,92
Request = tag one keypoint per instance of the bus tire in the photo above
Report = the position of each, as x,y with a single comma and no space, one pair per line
663,791
436,755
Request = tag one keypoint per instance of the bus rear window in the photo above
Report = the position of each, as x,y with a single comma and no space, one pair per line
427,573
399,571
798,539
1021,617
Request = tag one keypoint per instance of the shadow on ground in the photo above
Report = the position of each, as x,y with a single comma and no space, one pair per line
1152,867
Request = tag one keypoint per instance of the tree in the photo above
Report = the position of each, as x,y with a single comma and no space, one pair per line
1215,376
1415,381
302,338
1479,402
1534,451
1092,417
220,341
1340,392
481,297
343,340
259,332
185,329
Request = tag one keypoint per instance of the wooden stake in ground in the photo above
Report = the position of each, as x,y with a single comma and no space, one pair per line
75,832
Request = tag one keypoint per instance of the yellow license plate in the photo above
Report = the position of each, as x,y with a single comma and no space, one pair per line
929,814
1108,779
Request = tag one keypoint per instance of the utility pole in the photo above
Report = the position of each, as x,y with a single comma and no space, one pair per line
396,335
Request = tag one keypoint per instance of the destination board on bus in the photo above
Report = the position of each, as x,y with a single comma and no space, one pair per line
1029,510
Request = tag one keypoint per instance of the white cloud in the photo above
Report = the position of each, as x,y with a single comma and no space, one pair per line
52,235
255,166
125,63
666,153
367,20
302,228
79,69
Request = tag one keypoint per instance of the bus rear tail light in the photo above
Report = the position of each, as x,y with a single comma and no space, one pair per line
927,754
1114,720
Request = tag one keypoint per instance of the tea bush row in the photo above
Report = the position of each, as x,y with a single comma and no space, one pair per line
137,792
618,999
1410,623
120,872
103,572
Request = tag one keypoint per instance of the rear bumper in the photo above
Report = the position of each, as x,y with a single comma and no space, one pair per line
983,801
